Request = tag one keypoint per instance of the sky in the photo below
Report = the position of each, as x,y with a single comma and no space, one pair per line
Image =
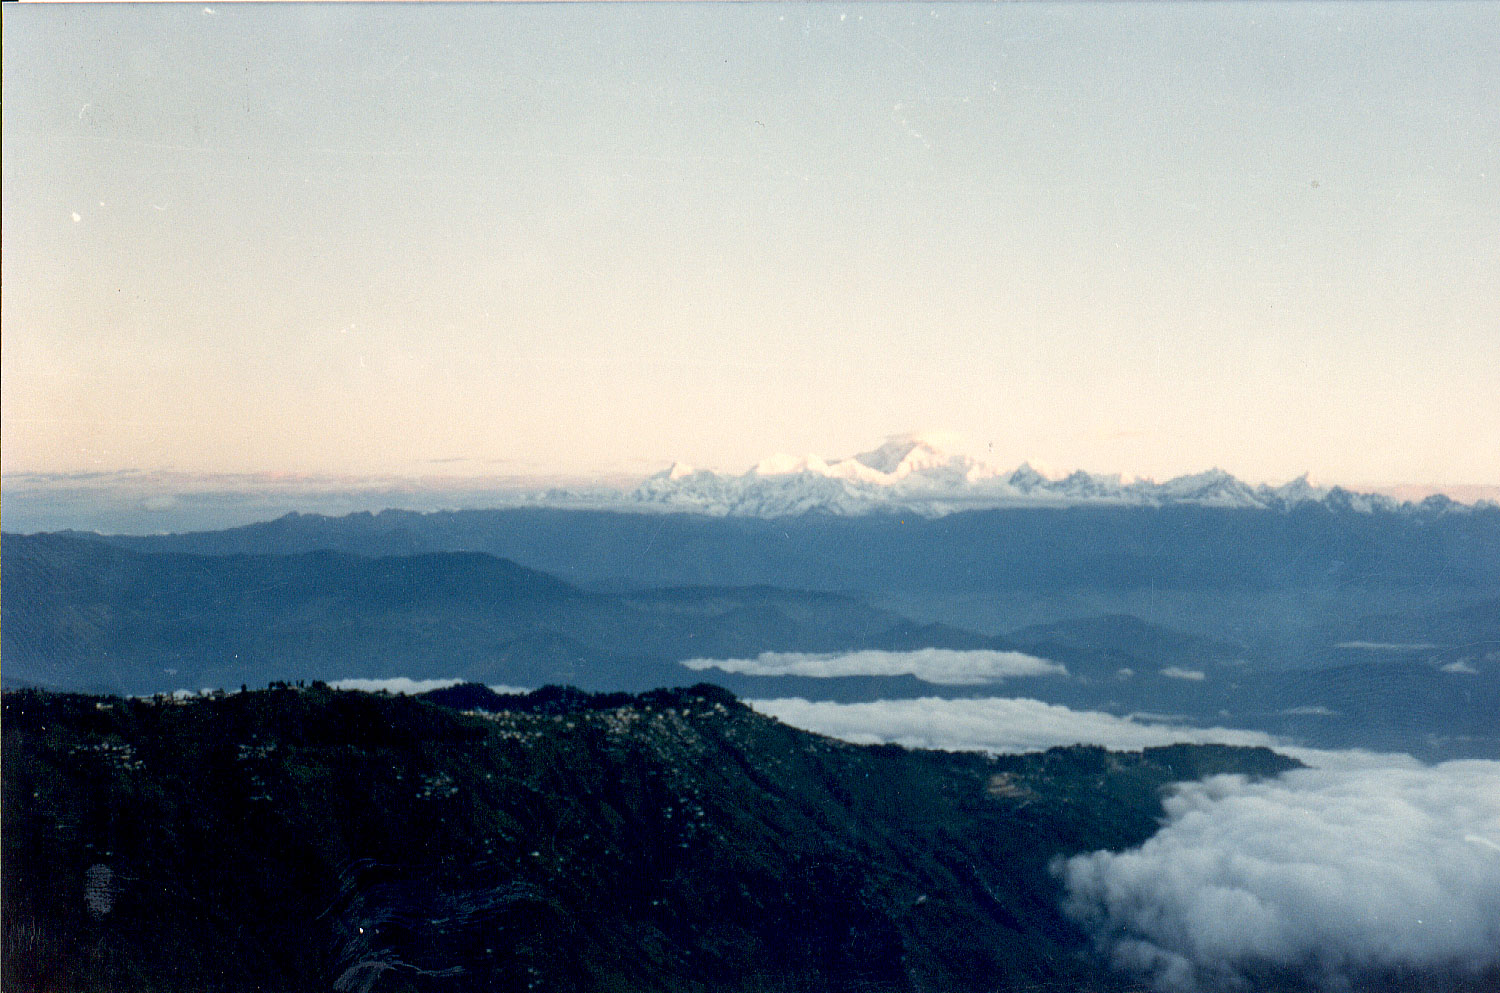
399,240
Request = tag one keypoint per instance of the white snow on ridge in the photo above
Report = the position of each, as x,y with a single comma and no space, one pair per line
925,475
928,475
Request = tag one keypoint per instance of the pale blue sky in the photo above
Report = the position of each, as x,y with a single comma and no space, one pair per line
572,238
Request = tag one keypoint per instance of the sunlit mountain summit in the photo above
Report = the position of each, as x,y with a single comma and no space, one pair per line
931,475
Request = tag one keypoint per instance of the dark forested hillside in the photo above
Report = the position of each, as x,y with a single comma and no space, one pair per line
298,839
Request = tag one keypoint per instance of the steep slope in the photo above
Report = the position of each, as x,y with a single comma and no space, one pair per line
302,840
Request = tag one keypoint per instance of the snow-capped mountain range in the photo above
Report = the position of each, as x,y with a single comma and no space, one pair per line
918,474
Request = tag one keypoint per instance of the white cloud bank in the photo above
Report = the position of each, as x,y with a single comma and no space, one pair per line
991,724
404,685
1328,873
1387,646
943,666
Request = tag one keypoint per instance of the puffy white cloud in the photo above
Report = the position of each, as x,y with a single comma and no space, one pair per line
1462,666
993,724
1177,672
1370,863
944,666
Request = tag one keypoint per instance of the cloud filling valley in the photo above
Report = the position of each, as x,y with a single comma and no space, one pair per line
990,724
1332,875
943,666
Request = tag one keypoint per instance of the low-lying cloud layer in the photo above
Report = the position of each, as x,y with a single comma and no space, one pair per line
1330,874
1387,646
993,724
404,685
942,666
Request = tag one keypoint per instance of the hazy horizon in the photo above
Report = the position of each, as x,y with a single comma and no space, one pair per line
136,502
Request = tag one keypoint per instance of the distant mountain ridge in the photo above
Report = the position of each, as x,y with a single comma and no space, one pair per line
84,614
921,474
912,475
1041,549
87,615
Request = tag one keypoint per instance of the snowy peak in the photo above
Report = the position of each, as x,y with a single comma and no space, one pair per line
785,465
899,458
1025,479
1212,488
903,454
1299,489
930,474
894,453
